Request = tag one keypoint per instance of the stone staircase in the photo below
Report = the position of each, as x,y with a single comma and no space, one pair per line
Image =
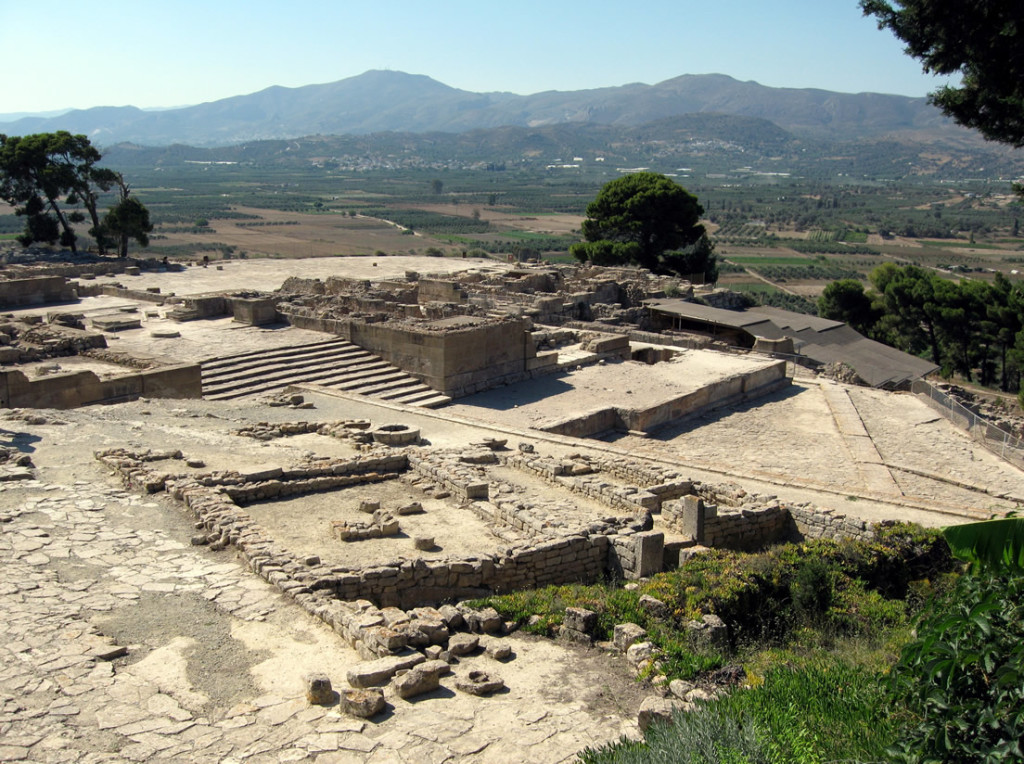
332,363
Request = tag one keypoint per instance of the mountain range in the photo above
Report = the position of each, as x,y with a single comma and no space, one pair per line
381,101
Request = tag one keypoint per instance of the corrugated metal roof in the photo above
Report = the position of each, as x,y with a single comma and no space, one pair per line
820,339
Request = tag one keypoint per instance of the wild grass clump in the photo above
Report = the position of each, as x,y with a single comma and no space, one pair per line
815,711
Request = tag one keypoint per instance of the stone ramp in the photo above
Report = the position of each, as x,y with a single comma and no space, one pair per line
335,364
874,474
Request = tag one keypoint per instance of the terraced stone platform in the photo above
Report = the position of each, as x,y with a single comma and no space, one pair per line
335,364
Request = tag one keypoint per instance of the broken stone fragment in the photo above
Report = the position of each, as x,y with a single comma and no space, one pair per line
437,666
463,644
654,606
414,682
680,688
363,703
452,617
486,620
478,682
580,619
657,710
379,672
626,634
423,543
639,652
499,651
318,689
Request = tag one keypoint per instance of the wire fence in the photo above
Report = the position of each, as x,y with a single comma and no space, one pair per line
997,440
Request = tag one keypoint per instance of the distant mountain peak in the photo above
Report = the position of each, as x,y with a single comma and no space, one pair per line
388,100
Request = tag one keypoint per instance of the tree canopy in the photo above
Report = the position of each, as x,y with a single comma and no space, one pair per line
972,328
46,176
981,42
649,220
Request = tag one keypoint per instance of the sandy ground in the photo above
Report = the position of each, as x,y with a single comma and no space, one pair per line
268,274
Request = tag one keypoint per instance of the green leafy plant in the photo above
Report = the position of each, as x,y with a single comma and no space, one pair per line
991,544
963,678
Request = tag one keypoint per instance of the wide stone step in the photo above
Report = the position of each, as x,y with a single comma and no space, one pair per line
336,364
238,358
320,367
282,378
285,359
294,359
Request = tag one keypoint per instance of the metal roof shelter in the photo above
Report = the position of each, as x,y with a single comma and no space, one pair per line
819,339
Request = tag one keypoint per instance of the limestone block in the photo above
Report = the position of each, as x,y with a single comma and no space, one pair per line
639,652
379,672
657,710
435,666
463,644
681,688
579,619
414,682
486,620
394,616
363,703
452,617
435,631
478,682
499,651
708,633
318,689
654,606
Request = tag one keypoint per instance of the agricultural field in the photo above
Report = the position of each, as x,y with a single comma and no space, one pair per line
780,236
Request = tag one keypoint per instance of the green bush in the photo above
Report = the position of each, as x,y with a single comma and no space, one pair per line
963,677
848,588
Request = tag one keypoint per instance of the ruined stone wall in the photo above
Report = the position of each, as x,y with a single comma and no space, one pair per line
440,291
820,523
35,291
256,311
756,524
82,388
455,362
721,393
116,290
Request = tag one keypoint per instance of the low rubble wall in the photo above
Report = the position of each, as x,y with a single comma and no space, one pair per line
757,522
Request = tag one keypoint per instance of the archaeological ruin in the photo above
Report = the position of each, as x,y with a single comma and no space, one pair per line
379,448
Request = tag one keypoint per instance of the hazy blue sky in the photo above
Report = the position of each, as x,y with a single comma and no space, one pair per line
146,53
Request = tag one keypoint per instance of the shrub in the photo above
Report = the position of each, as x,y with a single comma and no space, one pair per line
963,677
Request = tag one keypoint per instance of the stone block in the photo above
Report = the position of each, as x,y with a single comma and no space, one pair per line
379,672
579,619
478,682
415,682
318,689
362,703
463,644
639,652
657,710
